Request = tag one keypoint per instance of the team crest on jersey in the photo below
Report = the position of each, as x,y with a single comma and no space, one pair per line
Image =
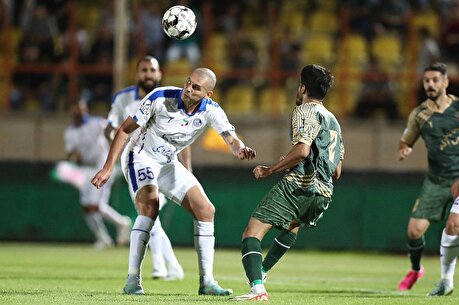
145,107
185,122
197,123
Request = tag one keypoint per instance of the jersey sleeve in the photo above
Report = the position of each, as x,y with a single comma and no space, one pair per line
412,130
146,110
305,125
219,121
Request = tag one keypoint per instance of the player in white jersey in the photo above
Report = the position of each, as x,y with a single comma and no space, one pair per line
86,145
170,119
449,248
125,103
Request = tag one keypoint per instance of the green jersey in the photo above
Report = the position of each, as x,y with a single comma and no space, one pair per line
314,125
440,132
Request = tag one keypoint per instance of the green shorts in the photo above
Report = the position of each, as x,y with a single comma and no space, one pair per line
433,201
286,202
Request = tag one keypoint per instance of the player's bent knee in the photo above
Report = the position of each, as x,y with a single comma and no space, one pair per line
204,211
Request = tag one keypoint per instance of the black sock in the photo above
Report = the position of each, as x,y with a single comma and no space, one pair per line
415,249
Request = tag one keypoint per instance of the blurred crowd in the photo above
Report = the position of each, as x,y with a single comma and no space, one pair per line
375,48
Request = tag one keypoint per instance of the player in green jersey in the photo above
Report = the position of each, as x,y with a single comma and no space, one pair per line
303,194
436,121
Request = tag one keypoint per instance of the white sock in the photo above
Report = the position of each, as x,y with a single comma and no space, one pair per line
140,235
204,243
97,226
159,264
111,215
449,250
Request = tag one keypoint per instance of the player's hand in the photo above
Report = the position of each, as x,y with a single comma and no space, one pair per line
262,171
101,177
404,152
455,189
246,153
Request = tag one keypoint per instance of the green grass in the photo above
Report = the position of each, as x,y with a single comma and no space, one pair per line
77,274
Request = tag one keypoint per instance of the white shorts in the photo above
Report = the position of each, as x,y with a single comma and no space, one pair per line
171,178
89,194
455,207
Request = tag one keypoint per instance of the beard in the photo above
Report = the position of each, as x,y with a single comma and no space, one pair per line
148,85
433,95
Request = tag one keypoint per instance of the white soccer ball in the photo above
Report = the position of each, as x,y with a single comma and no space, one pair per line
179,22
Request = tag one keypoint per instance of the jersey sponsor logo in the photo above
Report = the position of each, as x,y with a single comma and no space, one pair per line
197,122
164,150
450,139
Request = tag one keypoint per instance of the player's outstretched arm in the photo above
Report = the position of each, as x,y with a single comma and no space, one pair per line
128,126
237,146
298,152
404,150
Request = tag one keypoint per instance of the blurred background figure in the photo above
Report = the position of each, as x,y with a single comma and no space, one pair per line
377,93
450,33
86,146
150,22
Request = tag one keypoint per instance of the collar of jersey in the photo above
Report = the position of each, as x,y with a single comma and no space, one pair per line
181,105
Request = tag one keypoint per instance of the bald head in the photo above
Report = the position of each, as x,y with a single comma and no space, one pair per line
209,75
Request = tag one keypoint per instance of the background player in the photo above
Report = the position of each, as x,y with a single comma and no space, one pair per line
86,145
171,118
435,120
304,193
125,103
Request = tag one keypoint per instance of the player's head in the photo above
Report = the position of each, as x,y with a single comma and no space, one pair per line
79,110
435,80
200,84
148,73
315,83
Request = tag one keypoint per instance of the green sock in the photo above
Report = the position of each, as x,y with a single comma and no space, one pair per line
415,249
251,259
281,244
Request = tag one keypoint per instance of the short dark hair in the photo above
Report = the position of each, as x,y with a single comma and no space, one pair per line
317,80
147,58
439,67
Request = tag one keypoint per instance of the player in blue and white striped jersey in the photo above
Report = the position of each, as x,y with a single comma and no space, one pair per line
171,119
125,103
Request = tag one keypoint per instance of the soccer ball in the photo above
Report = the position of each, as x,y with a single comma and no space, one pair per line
179,22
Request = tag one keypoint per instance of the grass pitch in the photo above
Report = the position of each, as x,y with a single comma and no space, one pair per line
78,274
